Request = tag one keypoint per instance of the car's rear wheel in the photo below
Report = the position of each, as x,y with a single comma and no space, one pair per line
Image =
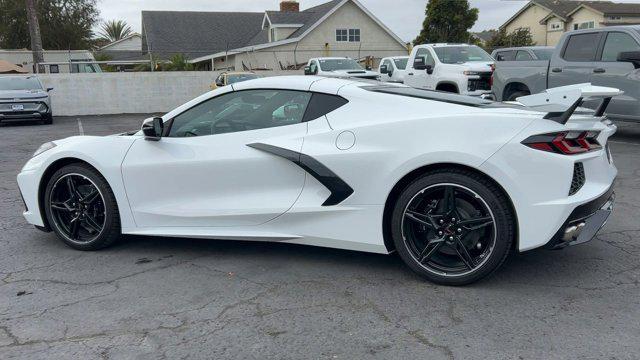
81,208
452,226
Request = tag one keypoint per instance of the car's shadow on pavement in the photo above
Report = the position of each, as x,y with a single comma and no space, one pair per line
570,267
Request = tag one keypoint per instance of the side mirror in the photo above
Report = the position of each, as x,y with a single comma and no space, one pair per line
307,70
429,69
49,89
419,64
384,69
219,83
630,56
152,128
367,67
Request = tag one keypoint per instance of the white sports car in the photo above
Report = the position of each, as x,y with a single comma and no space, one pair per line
451,183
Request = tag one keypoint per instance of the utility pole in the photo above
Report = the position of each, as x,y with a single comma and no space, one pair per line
36,40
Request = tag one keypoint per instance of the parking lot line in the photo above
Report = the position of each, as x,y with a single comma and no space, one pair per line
80,128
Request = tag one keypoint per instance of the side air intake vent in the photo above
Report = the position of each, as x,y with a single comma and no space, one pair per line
578,178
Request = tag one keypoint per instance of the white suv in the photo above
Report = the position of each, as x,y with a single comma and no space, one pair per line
458,68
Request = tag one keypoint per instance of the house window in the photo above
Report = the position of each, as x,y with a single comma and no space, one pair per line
354,35
53,69
615,17
584,25
556,26
350,35
342,35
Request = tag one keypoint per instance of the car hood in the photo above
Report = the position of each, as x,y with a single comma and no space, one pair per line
22,94
477,66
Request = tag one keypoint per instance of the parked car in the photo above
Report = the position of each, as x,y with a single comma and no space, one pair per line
338,67
608,56
24,97
232,77
524,53
450,182
457,68
393,69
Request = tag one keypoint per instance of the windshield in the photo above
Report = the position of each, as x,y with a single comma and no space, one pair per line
544,54
461,54
401,64
339,64
19,83
235,78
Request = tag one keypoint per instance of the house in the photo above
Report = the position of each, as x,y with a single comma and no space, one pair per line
55,61
283,39
483,36
125,54
547,20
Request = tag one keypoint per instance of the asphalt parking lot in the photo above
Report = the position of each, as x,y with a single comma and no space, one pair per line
176,298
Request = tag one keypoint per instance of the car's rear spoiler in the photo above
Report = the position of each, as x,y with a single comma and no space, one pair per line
561,102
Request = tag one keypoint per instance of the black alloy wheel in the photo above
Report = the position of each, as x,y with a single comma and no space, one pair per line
453,228
81,208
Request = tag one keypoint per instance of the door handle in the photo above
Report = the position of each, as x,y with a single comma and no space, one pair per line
410,74
556,70
599,70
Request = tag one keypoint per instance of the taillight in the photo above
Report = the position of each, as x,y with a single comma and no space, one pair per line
567,143
493,70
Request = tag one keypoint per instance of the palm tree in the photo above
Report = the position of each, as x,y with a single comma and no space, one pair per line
114,30
34,33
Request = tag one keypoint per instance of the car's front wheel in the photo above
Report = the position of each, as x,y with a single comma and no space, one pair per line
81,208
452,226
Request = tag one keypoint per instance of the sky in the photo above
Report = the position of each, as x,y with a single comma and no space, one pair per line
404,17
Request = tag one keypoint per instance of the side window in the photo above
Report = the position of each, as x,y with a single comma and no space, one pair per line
523,56
426,55
314,67
241,111
581,47
322,104
506,55
389,64
616,43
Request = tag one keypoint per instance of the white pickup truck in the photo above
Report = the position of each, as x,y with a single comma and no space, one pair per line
457,68
393,69
338,67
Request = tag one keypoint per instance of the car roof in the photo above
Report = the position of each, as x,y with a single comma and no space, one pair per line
296,82
239,73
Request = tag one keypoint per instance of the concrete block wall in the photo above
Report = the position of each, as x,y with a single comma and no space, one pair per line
129,93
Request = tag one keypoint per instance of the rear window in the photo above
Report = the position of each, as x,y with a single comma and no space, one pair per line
581,47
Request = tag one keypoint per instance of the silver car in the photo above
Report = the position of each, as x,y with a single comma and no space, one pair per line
24,97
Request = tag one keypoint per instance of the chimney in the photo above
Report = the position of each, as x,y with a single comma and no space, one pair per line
289,6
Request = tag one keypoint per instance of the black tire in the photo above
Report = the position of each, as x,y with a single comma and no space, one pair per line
502,227
517,94
48,119
106,202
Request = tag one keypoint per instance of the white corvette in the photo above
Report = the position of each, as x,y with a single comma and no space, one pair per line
451,183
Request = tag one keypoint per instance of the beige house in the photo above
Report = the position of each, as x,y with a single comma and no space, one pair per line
547,20
275,40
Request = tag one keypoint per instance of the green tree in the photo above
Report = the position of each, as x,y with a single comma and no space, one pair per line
520,37
447,21
178,62
114,30
64,24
